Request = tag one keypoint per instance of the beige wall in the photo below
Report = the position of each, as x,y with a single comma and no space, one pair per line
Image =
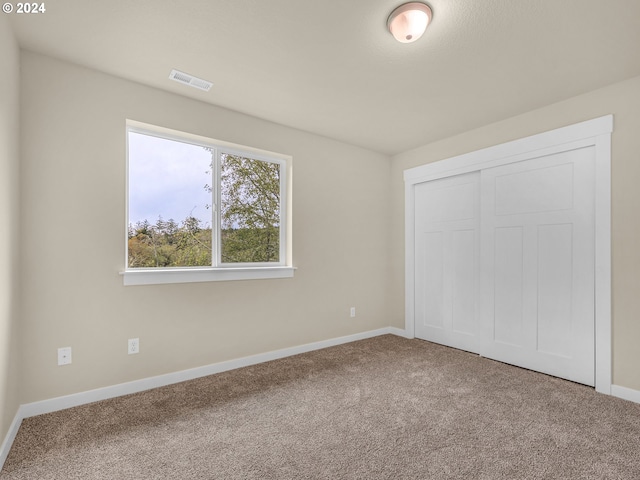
73,230
622,100
9,214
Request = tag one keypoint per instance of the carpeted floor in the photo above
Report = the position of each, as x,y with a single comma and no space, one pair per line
383,408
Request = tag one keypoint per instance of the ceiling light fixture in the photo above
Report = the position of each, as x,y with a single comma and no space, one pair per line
408,22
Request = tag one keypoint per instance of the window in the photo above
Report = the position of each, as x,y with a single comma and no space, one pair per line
200,209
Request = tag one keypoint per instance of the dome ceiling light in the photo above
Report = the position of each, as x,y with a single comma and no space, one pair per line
408,22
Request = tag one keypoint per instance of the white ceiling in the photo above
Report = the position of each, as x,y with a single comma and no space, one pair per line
330,66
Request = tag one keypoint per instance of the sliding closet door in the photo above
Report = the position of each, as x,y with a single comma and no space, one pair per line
537,267
446,261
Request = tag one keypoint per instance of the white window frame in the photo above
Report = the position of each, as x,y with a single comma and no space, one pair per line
218,271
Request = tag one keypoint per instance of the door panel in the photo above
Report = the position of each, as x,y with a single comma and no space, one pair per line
430,297
508,308
536,190
537,268
464,281
555,288
446,255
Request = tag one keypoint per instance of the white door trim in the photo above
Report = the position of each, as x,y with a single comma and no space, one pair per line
597,133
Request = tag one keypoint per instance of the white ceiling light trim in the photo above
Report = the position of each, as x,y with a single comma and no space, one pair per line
409,21
186,79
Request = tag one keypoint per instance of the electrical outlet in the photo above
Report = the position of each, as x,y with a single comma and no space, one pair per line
353,312
134,346
64,356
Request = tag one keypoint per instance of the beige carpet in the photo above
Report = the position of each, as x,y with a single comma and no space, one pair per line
384,408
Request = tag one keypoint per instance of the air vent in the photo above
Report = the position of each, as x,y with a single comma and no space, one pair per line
190,80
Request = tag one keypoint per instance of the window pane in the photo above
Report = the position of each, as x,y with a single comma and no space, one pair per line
250,210
169,203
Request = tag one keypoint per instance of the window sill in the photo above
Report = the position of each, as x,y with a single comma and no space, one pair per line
191,275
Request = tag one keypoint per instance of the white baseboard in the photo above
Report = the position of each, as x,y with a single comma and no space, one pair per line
9,438
82,398
625,393
399,332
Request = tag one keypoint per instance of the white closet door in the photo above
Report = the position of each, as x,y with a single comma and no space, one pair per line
446,256
537,264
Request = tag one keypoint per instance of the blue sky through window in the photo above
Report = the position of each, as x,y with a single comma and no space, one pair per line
167,178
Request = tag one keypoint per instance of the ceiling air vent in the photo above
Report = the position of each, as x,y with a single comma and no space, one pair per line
190,80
